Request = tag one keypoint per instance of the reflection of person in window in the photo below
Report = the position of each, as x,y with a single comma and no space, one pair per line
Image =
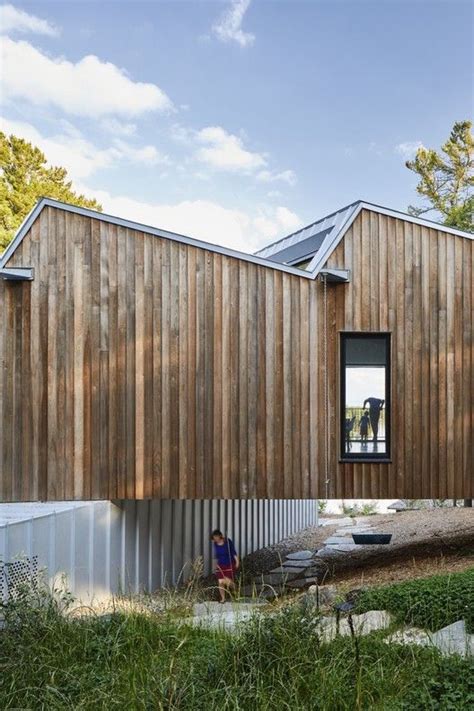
364,427
375,407
349,427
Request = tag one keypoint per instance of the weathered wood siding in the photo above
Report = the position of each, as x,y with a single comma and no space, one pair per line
416,283
139,367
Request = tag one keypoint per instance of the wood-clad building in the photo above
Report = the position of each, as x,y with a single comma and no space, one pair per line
140,364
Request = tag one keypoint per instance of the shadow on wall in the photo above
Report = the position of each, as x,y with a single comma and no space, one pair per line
101,548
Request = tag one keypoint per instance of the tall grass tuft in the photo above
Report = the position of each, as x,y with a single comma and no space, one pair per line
136,658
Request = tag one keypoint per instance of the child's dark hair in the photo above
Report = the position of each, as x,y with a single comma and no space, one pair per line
217,532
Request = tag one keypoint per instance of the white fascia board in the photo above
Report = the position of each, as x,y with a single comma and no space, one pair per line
128,224
318,261
22,230
17,273
332,240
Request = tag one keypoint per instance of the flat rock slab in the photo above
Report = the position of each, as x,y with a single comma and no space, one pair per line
283,570
300,555
410,635
298,563
211,607
328,552
273,579
364,624
301,583
353,529
454,639
345,547
336,522
336,540
213,615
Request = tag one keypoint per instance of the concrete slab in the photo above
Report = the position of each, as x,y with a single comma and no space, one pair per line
364,624
454,639
410,635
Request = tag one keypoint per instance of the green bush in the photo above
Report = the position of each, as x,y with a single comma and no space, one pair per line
149,661
365,509
430,603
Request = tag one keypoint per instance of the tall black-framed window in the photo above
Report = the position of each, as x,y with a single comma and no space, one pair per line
365,396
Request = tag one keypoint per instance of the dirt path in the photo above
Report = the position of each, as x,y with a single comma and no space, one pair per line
423,543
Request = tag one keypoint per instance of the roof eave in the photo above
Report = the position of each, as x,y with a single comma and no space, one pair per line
129,224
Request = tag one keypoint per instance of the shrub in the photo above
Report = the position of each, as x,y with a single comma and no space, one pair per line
322,505
365,509
149,661
430,603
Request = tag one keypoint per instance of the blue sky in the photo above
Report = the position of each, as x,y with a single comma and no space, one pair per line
237,122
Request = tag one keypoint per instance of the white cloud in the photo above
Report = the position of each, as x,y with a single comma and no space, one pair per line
287,219
229,26
89,87
69,149
225,151
408,149
14,20
118,128
286,176
203,219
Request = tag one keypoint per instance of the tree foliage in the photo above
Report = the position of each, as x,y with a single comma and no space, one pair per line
447,178
24,178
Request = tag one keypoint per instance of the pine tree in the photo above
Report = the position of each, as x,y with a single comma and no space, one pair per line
24,178
447,178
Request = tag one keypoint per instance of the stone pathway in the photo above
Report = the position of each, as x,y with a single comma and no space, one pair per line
453,639
341,541
214,615
300,569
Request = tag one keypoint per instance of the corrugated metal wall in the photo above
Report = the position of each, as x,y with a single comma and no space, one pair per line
106,547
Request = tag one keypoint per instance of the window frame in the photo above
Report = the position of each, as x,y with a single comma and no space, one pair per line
373,458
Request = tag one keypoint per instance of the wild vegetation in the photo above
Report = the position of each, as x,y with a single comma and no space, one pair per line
430,603
53,659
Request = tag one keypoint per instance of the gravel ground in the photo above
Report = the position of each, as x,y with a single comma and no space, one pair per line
423,542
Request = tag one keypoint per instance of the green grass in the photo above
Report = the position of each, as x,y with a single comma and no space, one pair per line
430,603
149,661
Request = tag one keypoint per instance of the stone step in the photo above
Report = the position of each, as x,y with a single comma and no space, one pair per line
283,569
298,563
302,583
336,540
300,555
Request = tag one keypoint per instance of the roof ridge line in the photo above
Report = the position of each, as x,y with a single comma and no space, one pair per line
321,219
